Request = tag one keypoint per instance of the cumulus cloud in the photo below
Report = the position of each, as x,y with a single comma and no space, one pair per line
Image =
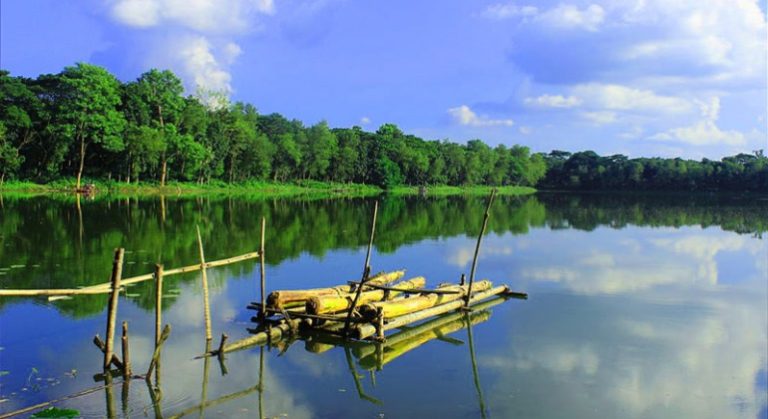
463,115
571,17
704,131
624,98
508,10
198,35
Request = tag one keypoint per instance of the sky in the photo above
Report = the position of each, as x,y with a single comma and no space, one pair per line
644,78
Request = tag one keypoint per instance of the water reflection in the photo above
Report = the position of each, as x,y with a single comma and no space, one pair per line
639,306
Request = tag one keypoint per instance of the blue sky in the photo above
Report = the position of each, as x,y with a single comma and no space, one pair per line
639,77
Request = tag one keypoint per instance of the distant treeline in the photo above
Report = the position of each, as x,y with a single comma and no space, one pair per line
84,122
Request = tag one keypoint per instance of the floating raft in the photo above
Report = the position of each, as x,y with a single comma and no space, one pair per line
380,308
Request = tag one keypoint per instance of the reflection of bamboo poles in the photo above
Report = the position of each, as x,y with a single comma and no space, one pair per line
475,375
211,403
109,396
206,304
356,377
155,398
261,382
206,370
365,330
105,288
412,339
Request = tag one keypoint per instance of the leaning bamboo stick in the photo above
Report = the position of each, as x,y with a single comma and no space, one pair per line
285,298
104,288
479,241
126,353
206,303
158,348
405,306
117,273
334,304
158,301
262,269
366,330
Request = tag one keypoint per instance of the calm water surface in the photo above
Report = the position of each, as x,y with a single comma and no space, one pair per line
639,307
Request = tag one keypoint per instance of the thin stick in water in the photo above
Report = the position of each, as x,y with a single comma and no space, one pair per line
117,273
477,246
206,304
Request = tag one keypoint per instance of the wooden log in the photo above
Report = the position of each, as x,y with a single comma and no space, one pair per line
409,291
206,304
272,335
158,348
284,298
363,331
105,288
405,306
335,304
117,273
158,301
126,353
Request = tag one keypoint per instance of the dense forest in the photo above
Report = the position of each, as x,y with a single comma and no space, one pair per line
84,122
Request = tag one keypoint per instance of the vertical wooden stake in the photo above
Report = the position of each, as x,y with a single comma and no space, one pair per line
463,279
263,313
158,301
366,271
117,273
477,247
206,304
126,355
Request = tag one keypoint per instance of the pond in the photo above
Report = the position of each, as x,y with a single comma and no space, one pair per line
640,306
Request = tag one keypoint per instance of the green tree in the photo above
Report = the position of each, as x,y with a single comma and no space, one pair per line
86,111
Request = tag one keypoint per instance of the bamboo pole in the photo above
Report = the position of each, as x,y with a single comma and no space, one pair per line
334,304
262,268
158,348
261,382
158,301
103,347
366,330
206,372
126,356
105,288
117,273
109,396
206,304
477,246
405,306
366,270
356,378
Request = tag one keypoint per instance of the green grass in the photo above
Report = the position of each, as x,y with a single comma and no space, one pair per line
249,188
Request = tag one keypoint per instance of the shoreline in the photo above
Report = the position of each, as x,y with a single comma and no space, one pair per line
266,189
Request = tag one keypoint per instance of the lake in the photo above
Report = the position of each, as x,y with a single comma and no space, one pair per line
640,306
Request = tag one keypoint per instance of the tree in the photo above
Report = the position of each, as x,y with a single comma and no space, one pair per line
87,112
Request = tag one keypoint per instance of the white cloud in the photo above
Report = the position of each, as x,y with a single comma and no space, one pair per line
365,120
623,98
553,101
704,131
600,117
525,130
463,115
198,36
568,16
508,10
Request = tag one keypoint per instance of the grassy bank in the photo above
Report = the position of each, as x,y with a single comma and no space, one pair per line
66,186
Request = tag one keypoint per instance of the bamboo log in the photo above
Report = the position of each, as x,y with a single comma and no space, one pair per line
335,304
366,271
366,330
206,303
272,335
405,306
126,353
117,273
104,288
283,299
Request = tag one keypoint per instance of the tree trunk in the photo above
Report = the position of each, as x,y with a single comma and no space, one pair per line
82,161
163,170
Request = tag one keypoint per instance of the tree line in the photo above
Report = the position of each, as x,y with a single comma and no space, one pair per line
84,122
